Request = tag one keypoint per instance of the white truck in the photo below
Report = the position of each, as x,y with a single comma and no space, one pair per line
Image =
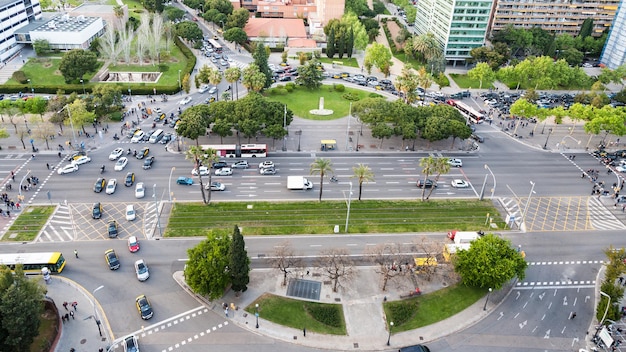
298,182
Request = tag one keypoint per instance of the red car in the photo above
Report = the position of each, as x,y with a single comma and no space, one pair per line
133,244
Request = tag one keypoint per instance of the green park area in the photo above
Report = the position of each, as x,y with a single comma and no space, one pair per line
301,100
366,216
465,82
28,224
345,62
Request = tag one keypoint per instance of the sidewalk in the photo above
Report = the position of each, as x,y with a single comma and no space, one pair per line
81,332
362,301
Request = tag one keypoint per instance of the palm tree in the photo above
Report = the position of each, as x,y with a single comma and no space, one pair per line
407,84
427,165
363,173
322,167
202,157
440,166
424,79
232,75
427,46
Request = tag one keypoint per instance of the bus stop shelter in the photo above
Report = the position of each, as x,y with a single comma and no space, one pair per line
328,144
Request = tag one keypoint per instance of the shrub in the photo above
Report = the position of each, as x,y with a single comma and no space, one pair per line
402,312
374,95
339,88
20,76
350,96
290,87
325,314
281,91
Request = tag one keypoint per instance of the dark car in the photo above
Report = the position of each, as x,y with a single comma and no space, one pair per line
112,259
130,179
96,211
143,153
428,183
147,164
415,348
220,165
285,78
112,228
166,138
99,185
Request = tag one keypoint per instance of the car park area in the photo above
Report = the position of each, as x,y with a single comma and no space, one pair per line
88,228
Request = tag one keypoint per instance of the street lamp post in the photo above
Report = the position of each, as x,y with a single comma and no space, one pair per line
69,114
256,313
389,337
180,84
608,304
348,212
348,129
299,134
32,90
493,190
285,127
532,190
156,204
169,183
545,145
95,313
562,142
482,190
487,300
22,181
83,83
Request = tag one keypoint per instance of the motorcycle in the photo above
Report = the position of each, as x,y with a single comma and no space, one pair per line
128,151
102,169
115,137
334,179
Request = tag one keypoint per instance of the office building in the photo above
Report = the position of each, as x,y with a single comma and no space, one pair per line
458,25
614,52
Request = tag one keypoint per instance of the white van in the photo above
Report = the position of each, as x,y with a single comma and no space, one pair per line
130,212
156,136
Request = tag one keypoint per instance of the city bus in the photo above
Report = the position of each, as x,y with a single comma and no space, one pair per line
238,151
469,113
253,150
223,150
216,46
34,262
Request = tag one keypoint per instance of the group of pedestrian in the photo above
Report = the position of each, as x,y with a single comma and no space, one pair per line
593,174
66,317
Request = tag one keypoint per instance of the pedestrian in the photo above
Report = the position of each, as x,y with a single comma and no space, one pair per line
74,304
63,318
573,315
59,154
101,349
67,317
13,175
76,253
621,280
48,166
65,305
304,331
8,213
72,315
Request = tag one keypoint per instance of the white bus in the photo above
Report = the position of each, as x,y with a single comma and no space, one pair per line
469,113
216,46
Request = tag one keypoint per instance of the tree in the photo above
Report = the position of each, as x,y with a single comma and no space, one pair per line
381,131
206,271
490,261
4,133
336,266
482,72
362,173
193,124
238,19
388,258
232,75
433,166
260,59
44,131
236,35
426,47
79,115
407,84
189,31
76,63
285,260
172,13
21,304
322,167
253,79
41,46
309,76
378,55
239,268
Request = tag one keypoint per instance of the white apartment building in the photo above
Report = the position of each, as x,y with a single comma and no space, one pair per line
458,25
15,14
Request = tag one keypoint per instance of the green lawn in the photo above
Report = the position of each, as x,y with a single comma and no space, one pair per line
464,81
45,71
349,62
367,216
299,314
418,311
301,100
172,62
29,223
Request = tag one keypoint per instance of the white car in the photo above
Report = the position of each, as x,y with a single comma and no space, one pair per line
121,164
67,169
242,164
111,186
116,153
620,168
266,165
204,88
141,268
185,101
455,162
267,171
157,111
225,171
215,186
131,214
204,171
213,90
140,191
138,136
81,160
458,183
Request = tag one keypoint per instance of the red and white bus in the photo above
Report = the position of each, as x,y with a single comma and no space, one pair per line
238,151
469,113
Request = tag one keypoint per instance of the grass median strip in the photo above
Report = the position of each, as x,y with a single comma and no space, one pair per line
367,216
29,223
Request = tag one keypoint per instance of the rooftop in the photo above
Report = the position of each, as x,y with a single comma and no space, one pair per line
275,27
64,23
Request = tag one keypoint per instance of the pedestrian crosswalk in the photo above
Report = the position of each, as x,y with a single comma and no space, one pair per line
602,218
59,228
15,156
150,220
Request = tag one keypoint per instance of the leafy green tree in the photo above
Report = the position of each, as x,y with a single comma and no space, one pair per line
41,46
253,79
573,56
80,116
260,59
381,131
378,55
238,19
586,28
236,35
363,173
458,129
4,133
222,128
76,63
223,6
490,262
330,38
354,32
21,304
309,76
172,13
36,105
239,268
206,271
482,72
321,167
189,31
